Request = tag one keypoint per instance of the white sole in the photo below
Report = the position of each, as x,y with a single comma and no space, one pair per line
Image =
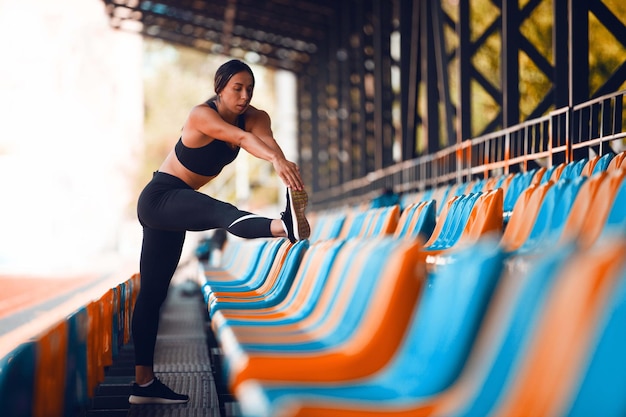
134,399
301,228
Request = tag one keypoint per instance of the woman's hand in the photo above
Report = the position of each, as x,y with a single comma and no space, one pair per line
289,173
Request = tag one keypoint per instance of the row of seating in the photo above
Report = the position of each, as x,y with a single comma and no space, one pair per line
419,311
514,183
56,372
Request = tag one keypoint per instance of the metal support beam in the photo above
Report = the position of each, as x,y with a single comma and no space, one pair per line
510,62
464,111
383,95
441,62
431,118
579,51
410,74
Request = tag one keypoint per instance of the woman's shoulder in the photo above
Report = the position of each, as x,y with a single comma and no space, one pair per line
255,114
201,110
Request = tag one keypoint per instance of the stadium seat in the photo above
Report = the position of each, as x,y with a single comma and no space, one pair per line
584,319
551,343
524,215
383,222
233,269
453,224
573,169
76,394
374,301
418,220
557,172
484,218
450,209
17,380
616,162
281,277
428,360
305,295
551,217
327,226
50,371
519,182
371,222
609,209
256,274
603,163
590,166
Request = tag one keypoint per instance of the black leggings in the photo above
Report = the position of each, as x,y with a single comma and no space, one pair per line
167,208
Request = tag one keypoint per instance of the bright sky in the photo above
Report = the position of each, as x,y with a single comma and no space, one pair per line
71,112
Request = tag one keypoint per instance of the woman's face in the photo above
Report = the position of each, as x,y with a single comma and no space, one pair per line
237,93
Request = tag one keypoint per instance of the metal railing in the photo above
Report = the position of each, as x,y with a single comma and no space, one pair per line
596,127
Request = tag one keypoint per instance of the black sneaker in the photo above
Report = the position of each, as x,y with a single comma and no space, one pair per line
155,393
295,221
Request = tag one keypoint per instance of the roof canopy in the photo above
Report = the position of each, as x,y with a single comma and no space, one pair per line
276,33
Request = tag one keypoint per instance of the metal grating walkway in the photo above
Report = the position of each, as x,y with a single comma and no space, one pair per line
181,361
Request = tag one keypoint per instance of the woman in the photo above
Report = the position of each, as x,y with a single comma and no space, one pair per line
170,205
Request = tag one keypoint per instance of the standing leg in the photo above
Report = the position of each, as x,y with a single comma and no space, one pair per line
160,255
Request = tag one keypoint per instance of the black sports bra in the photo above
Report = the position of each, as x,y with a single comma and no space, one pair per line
208,160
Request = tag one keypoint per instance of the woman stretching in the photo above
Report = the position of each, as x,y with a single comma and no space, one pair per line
170,205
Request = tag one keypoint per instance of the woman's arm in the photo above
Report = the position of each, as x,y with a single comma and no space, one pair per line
261,126
205,124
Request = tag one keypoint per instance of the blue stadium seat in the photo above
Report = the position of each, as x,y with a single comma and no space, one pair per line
433,352
17,381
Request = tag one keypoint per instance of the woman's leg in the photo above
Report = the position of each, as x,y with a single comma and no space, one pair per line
160,255
187,209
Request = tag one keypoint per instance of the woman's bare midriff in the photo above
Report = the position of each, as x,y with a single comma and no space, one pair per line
171,165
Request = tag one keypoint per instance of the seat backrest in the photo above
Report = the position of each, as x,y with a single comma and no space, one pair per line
17,380
602,377
439,338
514,313
328,226
305,290
582,207
588,168
250,250
551,217
573,169
262,279
603,163
384,222
549,370
616,162
454,222
538,176
486,217
524,216
451,221
419,223
287,271
51,369
520,182
558,171
441,219
354,223
406,217
76,395
609,209
390,281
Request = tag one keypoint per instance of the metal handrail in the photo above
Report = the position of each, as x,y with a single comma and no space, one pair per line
554,138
